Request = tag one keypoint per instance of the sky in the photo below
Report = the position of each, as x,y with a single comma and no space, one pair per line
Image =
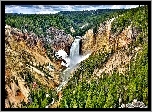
52,9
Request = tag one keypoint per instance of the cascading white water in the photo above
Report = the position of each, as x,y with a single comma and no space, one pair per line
74,53
71,62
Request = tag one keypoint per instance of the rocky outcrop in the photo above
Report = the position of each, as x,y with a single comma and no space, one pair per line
87,42
72,30
105,40
25,57
60,40
92,41
119,61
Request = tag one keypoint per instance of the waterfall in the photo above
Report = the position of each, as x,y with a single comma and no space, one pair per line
74,53
74,58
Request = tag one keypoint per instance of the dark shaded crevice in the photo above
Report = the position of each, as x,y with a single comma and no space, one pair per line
80,46
6,94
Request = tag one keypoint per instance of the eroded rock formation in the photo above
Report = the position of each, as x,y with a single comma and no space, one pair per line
104,39
25,57
60,40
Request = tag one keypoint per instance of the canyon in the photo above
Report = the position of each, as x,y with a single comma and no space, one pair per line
56,60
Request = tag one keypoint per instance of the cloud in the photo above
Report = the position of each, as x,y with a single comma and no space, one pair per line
35,9
42,9
131,6
18,9
123,6
47,12
41,6
116,7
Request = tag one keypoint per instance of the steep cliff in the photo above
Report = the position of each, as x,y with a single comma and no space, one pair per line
87,42
60,40
26,63
105,40
93,41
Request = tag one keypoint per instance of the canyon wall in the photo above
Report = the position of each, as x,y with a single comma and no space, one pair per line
105,40
25,57
60,40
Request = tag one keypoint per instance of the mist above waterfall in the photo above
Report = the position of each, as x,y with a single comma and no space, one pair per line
62,54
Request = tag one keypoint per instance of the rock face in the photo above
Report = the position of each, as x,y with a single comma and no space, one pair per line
61,40
72,30
103,39
87,42
94,41
117,61
24,55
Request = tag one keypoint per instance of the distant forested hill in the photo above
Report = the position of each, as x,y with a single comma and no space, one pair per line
64,20
89,18
38,23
